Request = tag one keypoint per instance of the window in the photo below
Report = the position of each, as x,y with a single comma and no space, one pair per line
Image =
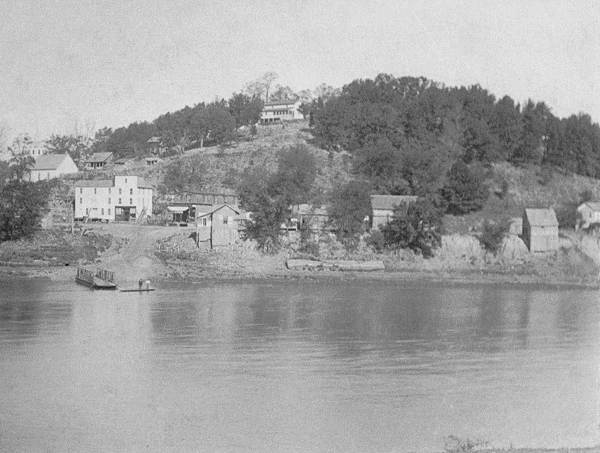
131,201
125,180
94,191
120,191
102,211
130,191
80,200
108,211
225,218
109,200
204,221
81,190
120,201
109,190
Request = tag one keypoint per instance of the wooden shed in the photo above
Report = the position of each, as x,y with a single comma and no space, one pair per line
540,230
588,213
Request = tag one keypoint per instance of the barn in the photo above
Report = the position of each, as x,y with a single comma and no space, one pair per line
540,230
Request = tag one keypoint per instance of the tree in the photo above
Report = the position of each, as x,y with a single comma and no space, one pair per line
295,175
418,229
245,109
21,162
349,205
21,208
77,146
381,163
268,208
464,190
283,94
184,175
261,86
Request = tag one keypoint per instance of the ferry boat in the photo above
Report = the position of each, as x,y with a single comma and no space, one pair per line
101,279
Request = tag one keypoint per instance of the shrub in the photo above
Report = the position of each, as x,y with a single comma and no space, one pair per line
586,195
419,229
492,235
567,215
376,240
307,244
349,206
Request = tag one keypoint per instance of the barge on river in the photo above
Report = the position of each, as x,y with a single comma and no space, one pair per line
101,279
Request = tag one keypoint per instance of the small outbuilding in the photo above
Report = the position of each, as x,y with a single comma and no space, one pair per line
383,207
588,213
540,230
218,227
98,160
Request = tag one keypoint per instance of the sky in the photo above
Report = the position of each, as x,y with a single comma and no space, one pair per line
77,65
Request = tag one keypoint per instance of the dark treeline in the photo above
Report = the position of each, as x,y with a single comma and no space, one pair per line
202,124
406,133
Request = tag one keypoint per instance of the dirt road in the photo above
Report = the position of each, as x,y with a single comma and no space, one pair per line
135,259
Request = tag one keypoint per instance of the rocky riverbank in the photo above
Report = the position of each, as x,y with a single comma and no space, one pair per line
170,254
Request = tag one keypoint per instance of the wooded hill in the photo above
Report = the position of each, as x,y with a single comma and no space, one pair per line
405,133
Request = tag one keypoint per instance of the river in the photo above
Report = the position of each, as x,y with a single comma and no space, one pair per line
361,366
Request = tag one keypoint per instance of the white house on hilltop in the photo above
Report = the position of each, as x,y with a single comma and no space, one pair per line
49,166
123,198
276,112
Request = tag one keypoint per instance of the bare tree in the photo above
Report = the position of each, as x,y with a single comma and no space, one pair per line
261,86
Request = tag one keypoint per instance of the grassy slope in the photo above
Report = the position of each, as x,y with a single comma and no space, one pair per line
223,163
527,187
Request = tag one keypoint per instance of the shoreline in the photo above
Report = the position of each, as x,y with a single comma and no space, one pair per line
444,278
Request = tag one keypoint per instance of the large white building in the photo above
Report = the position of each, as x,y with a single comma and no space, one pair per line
276,112
123,198
48,166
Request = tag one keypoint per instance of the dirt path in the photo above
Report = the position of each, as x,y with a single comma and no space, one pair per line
136,259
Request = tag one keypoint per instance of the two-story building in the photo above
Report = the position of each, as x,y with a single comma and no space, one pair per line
277,112
122,198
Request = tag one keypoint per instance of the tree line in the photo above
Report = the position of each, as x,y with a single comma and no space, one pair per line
392,125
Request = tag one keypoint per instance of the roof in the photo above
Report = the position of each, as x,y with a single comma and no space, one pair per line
541,217
49,161
141,183
217,208
273,104
387,202
94,183
99,157
307,209
593,205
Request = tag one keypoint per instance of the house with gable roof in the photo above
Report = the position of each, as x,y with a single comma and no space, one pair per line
98,160
49,166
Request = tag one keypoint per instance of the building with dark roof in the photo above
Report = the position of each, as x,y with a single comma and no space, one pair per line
98,160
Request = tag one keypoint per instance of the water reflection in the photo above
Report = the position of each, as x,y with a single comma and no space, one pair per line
364,366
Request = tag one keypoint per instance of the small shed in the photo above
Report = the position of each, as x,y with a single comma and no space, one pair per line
540,230
218,227
383,207
588,213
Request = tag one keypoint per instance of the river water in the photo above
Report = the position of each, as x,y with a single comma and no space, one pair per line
296,366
